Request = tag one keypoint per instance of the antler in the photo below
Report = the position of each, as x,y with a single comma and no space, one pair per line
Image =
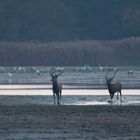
115,72
51,72
55,73
106,75
60,72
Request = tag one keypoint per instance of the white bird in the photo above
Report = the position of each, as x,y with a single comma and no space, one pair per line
20,69
10,74
33,68
37,71
130,71
59,69
2,69
101,68
116,69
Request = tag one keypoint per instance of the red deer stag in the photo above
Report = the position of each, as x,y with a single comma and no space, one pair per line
56,87
113,88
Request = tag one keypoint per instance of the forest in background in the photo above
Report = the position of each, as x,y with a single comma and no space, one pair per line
68,20
69,32
72,53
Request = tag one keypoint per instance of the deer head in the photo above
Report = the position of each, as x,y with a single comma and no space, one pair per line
55,74
109,79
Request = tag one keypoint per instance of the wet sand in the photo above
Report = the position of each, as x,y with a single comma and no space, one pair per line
79,117
69,122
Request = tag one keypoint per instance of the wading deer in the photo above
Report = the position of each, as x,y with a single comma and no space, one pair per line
56,87
113,88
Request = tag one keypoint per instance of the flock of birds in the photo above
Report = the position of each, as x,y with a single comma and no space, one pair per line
38,71
87,68
111,69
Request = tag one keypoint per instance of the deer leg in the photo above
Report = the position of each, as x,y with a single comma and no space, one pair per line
120,96
54,97
111,96
117,96
58,99
60,95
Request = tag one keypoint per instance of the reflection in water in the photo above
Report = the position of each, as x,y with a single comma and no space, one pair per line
67,100
22,94
23,90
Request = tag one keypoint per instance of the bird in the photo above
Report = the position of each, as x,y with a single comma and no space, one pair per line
10,74
101,68
130,71
38,72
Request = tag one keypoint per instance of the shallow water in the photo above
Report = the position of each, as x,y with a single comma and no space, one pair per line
37,94
29,90
68,100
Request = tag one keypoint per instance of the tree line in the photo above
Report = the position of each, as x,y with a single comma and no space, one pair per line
73,53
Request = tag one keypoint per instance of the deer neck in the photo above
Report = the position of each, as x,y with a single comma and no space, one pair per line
55,83
109,85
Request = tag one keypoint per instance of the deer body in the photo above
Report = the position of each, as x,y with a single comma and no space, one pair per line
56,88
113,88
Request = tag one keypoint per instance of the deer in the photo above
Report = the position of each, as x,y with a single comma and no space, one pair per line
113,88
56,87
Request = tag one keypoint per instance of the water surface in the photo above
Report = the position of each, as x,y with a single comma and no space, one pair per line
39,94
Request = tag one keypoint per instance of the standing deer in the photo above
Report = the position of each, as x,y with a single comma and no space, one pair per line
56,87
113,88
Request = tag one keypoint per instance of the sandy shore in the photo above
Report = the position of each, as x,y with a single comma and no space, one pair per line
69,122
